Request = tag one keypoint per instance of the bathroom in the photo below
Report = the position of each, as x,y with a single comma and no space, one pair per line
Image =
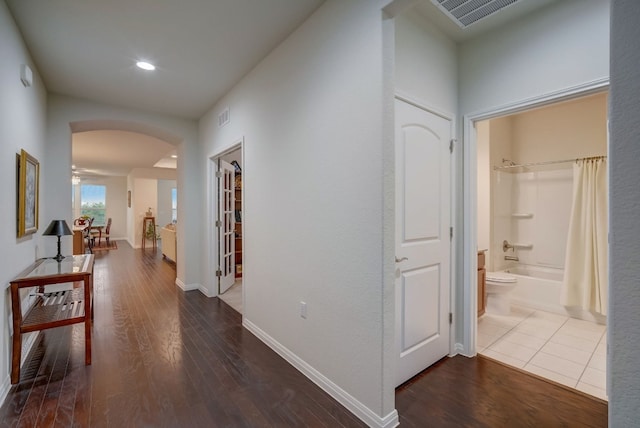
524,222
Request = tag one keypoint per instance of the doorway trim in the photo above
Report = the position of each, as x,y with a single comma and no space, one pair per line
212,287
470,197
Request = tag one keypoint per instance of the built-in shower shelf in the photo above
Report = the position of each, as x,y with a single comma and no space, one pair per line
522,215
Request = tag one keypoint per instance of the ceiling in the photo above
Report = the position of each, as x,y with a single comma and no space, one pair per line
88,49
116,153
511,12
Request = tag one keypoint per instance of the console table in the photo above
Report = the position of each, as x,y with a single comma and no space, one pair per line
149,223
78,239
56,308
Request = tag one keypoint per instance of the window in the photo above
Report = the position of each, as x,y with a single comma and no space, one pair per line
93,202
174,205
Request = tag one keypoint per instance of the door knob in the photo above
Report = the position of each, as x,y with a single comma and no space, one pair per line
401,260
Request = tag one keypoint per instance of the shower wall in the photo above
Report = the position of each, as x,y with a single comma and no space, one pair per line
532,211
532,206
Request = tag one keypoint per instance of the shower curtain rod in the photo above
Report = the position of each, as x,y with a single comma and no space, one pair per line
546,163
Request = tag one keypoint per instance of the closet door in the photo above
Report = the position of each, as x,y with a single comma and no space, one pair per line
423,246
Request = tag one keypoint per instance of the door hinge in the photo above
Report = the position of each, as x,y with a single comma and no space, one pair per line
450,318
218,223
451,144
218,174
451,233
218,273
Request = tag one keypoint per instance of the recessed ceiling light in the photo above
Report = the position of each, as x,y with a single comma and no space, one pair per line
174,156
146,65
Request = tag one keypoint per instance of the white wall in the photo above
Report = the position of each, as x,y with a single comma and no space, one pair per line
144,196
163,214
67,115
310,116
153,191
425,63
131,227
624,175
22,126
560,46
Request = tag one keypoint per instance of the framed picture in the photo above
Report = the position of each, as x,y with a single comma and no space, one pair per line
129,198
28,194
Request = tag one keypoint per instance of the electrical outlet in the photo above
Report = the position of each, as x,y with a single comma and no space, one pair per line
303,309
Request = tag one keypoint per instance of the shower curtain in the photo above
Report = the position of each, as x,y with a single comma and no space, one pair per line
585,276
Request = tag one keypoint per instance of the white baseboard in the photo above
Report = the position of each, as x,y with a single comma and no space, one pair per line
28,340
4,388
187,287
205,291
341,396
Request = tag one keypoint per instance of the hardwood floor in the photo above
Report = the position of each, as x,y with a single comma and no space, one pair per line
480,392
164,358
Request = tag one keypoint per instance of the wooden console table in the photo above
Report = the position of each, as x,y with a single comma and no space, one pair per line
149,222
78,239
53,309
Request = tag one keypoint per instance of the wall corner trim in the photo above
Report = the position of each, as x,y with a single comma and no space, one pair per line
187,287
205,291
341,396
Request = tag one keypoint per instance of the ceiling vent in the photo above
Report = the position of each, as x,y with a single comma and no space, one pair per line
467,12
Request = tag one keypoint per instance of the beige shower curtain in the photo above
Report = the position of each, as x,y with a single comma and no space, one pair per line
585,271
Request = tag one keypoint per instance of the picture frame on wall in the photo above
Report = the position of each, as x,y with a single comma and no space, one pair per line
28,194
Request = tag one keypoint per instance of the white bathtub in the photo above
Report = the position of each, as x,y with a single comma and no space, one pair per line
539,288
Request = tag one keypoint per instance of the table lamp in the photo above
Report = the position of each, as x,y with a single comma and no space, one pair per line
58,228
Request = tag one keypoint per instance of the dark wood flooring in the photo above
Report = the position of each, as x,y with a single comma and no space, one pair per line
164,358
480,392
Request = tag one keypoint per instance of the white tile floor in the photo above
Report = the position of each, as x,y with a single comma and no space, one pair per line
566,350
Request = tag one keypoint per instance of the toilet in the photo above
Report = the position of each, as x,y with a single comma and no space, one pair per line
499,286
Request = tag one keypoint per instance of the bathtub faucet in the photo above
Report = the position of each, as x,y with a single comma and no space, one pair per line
506,246
512,258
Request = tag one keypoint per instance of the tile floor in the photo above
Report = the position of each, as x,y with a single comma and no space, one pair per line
566,350
233,296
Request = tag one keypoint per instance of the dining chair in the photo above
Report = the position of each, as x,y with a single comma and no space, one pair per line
102,233
87,234
107,230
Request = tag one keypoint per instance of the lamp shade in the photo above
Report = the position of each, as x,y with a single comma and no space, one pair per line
58,228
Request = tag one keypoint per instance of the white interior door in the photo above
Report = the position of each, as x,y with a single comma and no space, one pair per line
226,226
423,256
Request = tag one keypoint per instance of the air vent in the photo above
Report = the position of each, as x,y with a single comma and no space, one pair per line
223,118
467,12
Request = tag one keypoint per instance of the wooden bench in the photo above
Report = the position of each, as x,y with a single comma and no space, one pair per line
56,308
